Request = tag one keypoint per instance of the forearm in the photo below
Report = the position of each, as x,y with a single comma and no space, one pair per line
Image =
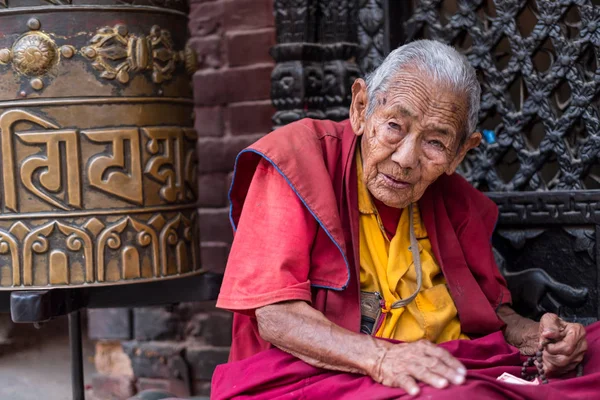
521,332
297,328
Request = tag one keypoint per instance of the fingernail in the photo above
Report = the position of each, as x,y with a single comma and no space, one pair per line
459,380
442,382
413,391
462,371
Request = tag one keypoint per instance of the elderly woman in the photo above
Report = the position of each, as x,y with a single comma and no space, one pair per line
349,233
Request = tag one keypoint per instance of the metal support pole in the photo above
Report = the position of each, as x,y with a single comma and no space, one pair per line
76,355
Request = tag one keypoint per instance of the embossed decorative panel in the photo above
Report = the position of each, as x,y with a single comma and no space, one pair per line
98,162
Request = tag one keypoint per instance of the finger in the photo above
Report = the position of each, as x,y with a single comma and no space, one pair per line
407,383
573,336
551,327
447,358
438,367
556,365
564,347
422,373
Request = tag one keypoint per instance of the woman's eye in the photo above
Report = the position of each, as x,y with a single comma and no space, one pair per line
437,144
394,126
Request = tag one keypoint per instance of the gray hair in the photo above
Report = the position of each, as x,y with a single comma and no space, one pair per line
442,62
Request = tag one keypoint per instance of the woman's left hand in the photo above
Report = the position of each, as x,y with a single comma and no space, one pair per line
566,344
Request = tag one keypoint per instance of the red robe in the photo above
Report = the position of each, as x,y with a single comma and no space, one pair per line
316,161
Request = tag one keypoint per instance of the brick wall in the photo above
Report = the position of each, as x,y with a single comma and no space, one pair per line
155,347
233,107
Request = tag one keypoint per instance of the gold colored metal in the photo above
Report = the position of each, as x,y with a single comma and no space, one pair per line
34,24
37,84
34,54
191,60
67,51
116,53
5,56
97,171
5,3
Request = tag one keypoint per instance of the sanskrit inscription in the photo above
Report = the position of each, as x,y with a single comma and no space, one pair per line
43,175
170,159
109,173
46,167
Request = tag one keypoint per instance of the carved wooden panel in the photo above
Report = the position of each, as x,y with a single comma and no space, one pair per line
537,62
97,149
316,59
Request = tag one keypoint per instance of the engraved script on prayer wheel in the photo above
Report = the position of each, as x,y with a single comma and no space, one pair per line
97,150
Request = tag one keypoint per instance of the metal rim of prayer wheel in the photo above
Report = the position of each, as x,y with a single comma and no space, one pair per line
97,149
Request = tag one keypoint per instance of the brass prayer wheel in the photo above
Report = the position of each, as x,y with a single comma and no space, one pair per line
97,149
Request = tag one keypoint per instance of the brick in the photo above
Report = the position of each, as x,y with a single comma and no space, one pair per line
110,359
229,182
209,121
213,256
250,47
250,118
109,323
233,85
210,88
248,14
206,18
204,359
212,190
209,51
153,359
218,155
249,83
175,387
155,323
211,328
211,156
214,224
112,387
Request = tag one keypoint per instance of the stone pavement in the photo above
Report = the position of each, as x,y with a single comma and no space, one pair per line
36,365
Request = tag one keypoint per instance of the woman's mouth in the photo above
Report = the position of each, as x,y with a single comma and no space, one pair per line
394,183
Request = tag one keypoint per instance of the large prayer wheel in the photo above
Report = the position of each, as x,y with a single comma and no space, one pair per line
97,150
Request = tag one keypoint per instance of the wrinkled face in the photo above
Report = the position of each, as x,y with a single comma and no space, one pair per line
415,134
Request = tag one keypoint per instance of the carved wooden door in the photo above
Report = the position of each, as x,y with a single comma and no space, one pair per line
538,66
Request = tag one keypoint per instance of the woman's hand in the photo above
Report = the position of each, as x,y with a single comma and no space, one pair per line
406,363
566,344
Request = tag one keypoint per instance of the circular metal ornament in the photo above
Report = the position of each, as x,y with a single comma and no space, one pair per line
34,24
34,54
5,56
37,84
67,51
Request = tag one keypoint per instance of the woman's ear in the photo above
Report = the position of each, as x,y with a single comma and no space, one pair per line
358,108
472,141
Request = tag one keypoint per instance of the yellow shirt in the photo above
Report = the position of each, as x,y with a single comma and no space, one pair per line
387,267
